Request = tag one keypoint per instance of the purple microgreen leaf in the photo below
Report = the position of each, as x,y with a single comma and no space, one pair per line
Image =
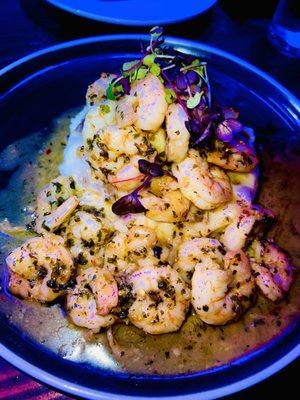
192,77
172,86
171,73
205,134
193,126
181,82
128,204
125,85
227,129
149,168
230,112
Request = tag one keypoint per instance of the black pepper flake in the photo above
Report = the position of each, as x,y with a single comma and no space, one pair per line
259,321
42,272
157,251
80,259
52,284
45,226
72,184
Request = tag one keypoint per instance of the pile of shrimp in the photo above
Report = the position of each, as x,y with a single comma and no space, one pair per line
198,248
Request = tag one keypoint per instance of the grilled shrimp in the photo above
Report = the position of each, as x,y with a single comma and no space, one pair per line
272,269
126,111
206,186
97,90
161,299
126,176
90,302
177,133
221,292
244,185
238,156
245,220
40,268
203,223
164,201
194,251
98,117
61,214
85,236
113,154
151,103
233,223
127,141
51,197
128,251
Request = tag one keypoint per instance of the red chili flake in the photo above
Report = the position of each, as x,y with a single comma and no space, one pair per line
48,151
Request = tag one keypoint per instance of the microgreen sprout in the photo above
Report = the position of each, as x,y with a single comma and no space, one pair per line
131,203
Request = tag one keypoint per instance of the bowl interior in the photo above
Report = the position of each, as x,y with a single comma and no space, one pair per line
39,90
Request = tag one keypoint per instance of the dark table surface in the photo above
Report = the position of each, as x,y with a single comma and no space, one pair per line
239,27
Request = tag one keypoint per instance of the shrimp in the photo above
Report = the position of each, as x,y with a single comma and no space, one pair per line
97,118
222,292
97,90
61,214
244,185
114,153
40,269
161,302
164,201
194,251
232,223
272,269
127,176
177,133
158,141
245,221
90,302
151,103
238,156
127,251
85,235
203,223
126,111
127,141
206,186
51,197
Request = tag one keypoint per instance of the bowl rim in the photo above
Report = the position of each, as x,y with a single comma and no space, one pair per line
77,389
93,394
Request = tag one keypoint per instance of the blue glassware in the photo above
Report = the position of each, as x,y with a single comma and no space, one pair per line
284,30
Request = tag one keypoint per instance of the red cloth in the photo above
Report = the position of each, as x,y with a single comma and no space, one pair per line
16,386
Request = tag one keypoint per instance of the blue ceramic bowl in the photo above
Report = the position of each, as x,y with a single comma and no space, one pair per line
61,74
135,12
